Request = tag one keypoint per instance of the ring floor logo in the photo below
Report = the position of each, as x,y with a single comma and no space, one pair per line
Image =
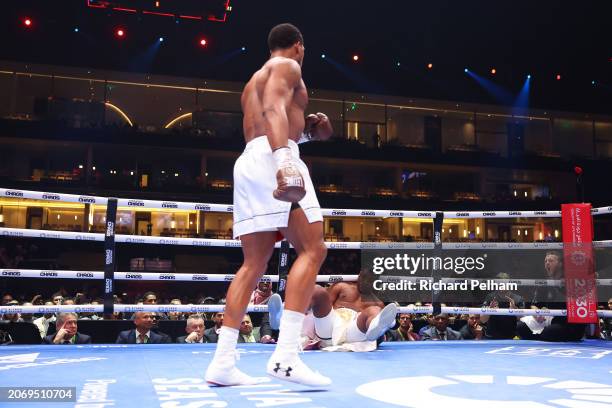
483,391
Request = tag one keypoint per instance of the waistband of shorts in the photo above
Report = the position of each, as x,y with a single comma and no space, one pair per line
261,144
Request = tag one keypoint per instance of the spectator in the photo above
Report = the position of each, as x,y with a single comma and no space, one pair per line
43,322
212,333
7,297
90,315
430,324
27,317
248,333
472,330
150,298
194,329
502,327
57,298
67,331
142,334
404,331
12,317
261,294
553,297
441,331
176,315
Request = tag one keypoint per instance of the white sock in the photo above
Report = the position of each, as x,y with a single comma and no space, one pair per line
289,332
226,345
282,155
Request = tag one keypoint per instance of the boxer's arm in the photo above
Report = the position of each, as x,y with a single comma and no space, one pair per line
284,77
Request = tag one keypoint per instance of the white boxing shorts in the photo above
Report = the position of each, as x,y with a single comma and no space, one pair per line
255,209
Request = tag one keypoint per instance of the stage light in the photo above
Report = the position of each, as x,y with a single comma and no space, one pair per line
355,57
27,22
430,65
529,76
592,82
76,29
161,39
243,48
493,71
466,70
120,33
398,63
558,77
323,56
203,42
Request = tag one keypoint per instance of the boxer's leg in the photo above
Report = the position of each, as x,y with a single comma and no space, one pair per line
257,249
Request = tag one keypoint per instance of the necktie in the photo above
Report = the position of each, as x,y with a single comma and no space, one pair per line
143,338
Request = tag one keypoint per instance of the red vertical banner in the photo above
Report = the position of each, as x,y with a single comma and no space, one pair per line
580,283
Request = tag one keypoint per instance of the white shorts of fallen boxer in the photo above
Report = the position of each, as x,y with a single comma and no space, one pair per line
338,337
255,209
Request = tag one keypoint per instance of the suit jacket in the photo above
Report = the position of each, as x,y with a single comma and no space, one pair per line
80,339
255,334
129,337
432,334
181,339
211,335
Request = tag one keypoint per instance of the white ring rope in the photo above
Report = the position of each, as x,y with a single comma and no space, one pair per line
227,243
205,277
131,308
150,276
136,203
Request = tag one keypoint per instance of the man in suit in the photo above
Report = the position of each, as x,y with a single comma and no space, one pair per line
248,333
212,334
66,331
441,331
142,334
194,329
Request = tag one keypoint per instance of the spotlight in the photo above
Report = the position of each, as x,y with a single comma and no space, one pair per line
323,56
76,29
120,33
493,71
558,77
465,70
27,22
430,65
592,82
398,63
243,48
161,39
529,76
203,42
355,57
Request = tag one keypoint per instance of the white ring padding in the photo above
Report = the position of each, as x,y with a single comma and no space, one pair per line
150,276
52,309
227,208
502,245
50,274
502,214
232,243
264,308
198,242
205,277
493,311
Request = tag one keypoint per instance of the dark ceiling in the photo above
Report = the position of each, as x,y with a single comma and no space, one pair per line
516,37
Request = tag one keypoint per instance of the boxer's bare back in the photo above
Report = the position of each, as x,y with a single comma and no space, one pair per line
262,91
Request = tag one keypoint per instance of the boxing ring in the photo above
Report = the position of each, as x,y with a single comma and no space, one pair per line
500,373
